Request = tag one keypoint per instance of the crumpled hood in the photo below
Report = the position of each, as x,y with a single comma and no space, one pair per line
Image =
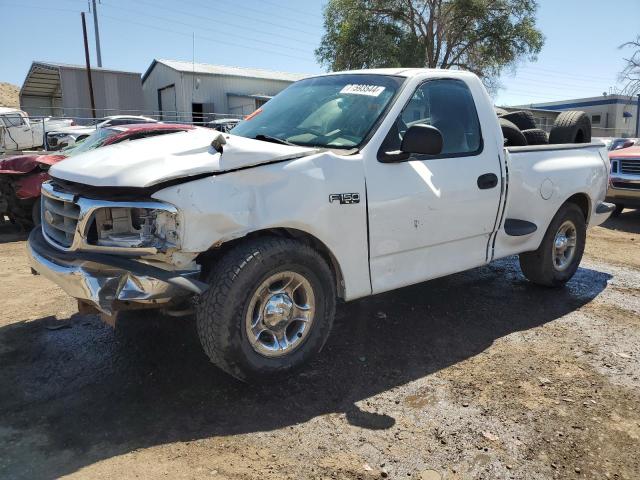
146,162
21,164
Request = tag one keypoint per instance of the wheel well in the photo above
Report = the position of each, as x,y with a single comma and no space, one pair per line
582,201
208,259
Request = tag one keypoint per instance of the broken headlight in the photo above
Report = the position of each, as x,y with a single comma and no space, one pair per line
124,227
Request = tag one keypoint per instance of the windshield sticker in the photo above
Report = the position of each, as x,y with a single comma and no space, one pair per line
357,89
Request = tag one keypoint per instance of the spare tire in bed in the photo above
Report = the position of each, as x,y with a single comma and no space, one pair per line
512,134
536,136
521,119
571,127
500,111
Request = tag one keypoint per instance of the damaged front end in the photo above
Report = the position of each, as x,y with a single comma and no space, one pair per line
108,283
112,256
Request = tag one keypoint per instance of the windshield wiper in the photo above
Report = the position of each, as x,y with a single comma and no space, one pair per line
269,138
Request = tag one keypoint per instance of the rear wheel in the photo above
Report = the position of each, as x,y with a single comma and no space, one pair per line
559,255
269,308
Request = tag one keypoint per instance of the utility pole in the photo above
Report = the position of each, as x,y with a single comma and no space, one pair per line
97,30
88,63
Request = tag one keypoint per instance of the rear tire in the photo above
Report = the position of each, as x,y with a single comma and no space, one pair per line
536,136
550,265
571,127
521,119
252,323
512,135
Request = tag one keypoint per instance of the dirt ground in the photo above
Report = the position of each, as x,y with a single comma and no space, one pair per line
9,95
478,375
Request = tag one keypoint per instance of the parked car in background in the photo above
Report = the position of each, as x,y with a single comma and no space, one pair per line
69,136
624,180
620,143
223,124
21,176
342,186
19,132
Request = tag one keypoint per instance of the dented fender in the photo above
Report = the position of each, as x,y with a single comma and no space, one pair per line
295,194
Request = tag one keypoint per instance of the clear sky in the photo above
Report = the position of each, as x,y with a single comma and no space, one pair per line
580,57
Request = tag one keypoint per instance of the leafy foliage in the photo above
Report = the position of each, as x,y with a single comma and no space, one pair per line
482,36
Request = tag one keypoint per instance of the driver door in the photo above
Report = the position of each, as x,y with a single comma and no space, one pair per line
433,215
18,135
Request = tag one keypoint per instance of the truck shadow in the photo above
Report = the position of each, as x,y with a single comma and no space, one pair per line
10,232
627,221
98,394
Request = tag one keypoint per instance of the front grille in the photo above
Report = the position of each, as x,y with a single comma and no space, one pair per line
630,167
626,185
59,218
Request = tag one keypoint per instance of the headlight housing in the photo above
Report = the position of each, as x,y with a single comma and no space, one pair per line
131,227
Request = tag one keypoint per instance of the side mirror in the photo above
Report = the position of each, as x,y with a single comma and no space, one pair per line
422,139
419,139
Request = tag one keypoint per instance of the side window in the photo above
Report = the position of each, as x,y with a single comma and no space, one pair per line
13,120
447,105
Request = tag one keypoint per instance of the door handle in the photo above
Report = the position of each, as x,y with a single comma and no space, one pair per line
488,180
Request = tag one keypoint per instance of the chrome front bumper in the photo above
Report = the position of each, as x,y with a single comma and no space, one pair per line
624,189
110,282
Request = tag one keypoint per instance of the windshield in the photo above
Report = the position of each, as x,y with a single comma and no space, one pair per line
95,140
336,111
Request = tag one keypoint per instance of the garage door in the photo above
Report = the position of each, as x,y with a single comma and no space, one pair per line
167,103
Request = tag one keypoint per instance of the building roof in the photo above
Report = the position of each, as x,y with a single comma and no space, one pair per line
208,69
43,78
584,102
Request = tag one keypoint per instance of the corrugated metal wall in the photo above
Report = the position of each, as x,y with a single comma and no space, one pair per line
115,93
210,90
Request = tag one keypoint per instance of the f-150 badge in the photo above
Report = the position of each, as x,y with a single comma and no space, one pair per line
344,198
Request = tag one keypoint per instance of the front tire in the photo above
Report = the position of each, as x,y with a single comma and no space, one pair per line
269,308
559,255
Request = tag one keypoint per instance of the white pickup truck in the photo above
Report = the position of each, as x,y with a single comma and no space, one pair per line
19,132
342,186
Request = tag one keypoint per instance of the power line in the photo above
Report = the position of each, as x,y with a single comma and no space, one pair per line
200,28
560,73
209,39
263,12
234,15
33,7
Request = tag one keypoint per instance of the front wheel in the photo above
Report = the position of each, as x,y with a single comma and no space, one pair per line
269,308
559,255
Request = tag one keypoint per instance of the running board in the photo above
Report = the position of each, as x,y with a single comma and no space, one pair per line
517,228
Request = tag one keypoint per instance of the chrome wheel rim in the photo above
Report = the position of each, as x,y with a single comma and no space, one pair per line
564,246
280,314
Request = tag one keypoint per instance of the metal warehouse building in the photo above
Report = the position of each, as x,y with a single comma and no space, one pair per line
186,91
611,115
58,89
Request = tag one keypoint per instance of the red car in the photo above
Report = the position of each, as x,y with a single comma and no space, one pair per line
624,179
21,176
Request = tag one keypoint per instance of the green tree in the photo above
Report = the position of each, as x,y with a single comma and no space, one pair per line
483,36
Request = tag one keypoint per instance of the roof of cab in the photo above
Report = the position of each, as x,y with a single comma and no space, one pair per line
405,72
